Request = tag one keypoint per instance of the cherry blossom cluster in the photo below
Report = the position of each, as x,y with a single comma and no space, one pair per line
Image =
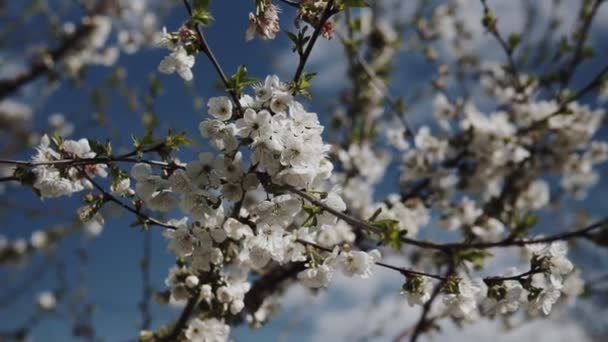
55,180
461,171
228,230
182,45
468,298
268,194
545,137
264,22
135,24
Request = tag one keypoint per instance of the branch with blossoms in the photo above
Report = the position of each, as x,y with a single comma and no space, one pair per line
277,203
584,232
415,280
47,61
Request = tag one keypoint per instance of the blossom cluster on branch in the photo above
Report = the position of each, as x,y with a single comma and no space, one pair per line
277,202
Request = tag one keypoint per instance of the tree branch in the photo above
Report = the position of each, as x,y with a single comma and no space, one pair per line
327,13
448,247
216,65
109,197
182,321
44,65
569,69
426,308
508,51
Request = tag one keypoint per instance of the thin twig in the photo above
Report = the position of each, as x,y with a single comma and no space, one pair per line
327,13
109,197
570,68
591,85
508,51
447,247
357,223
218,68
382,88
182,321
426,308
402,270
45,65
146,315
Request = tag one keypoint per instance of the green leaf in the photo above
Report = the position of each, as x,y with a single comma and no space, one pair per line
392,233
57,140
489,20
240,80
303,85
101,149
312,209
156,86
202,17
529,221
299,40
117,175
201,14
292,36
137,144
514,40
175,141
587,52
474,255
355,24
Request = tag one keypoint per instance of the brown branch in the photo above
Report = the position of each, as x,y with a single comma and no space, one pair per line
182,321
355,222
216,65
426,308
382,88
8,179
591,85
448,247
125,158
270,282
46,63
404,271
144,305
508,51
360,224
147,220
327,13
570,68
514,277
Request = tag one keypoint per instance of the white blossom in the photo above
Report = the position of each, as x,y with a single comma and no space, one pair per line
208,330
357,262
220,107
47,300
180,62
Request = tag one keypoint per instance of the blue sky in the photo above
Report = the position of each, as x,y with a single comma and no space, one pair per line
112,273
